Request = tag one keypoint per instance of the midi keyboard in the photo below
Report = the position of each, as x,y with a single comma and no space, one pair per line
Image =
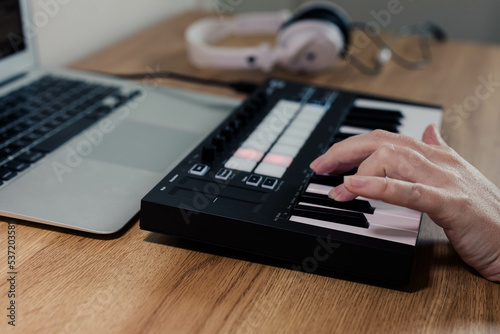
248,185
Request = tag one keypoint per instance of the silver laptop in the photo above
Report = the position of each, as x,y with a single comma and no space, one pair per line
79,150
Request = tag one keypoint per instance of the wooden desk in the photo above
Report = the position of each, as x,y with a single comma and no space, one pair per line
138,282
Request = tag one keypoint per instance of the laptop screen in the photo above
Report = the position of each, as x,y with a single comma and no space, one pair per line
11,32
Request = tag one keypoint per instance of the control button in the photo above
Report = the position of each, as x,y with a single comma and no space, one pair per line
250,108
270,170
254,180
208,153
199,169
223,174
240,164
289,151
260,98
248,154
242,117
278,159
270,183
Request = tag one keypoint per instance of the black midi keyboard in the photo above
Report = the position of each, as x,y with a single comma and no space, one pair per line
248,185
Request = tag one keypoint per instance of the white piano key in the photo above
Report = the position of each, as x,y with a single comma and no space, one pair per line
374,230
380,207
316,188
353,130
381,218
416,118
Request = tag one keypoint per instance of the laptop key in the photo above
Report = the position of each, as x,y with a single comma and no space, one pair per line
16,165
10,150
30,157
6,174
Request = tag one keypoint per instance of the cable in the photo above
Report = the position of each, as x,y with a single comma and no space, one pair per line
245,87
387,53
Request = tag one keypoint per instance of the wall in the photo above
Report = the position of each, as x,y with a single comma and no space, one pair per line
464,20
71,29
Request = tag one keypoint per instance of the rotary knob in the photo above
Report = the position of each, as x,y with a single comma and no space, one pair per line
236,125
218,142
208,153
227,132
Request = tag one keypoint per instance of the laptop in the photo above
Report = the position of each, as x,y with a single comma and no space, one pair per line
80,150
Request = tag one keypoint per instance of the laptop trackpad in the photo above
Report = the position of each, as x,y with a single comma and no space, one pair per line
139,145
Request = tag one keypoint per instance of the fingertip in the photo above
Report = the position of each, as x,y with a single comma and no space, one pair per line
341,194
314,165
335,192
432,136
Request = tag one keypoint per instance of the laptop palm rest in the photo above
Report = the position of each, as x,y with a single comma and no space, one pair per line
95,181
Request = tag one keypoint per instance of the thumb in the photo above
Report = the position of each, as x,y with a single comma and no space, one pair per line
432,136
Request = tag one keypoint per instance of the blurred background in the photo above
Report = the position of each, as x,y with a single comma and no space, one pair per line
71,29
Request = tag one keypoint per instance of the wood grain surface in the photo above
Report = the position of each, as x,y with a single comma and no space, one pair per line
139,282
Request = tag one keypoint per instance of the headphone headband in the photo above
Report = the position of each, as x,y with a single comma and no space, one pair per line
205,32
308,41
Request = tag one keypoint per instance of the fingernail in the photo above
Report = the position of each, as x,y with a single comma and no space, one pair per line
355,181
335,192
316,163
436,130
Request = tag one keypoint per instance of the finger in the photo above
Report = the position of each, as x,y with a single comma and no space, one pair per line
396,162
432,136
350,152
341,194
401,163
414,196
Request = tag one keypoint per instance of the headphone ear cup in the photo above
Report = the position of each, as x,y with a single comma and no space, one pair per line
314,37
308,47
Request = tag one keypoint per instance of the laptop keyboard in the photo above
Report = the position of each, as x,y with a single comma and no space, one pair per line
43,115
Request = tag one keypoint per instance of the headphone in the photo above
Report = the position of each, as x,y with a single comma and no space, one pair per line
310,40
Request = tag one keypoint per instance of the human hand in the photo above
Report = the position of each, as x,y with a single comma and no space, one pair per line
427,176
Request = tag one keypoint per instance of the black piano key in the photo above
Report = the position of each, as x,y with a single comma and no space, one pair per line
350,172
375,117
371,124
381,114
327,180
341,136
357,205
331,215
